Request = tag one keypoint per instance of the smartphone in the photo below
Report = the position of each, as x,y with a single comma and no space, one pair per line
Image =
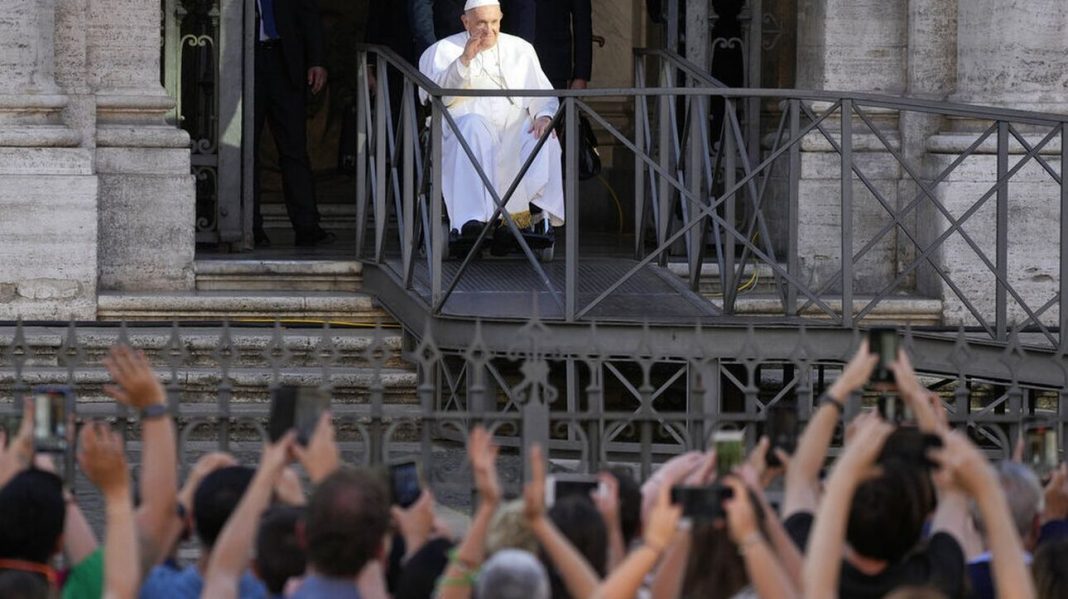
781,430
893,409
1041,450
882,341
405,483
52,407
702,503
730,450
559,486
296,407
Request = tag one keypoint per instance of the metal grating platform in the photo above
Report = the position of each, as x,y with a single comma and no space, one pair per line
508,288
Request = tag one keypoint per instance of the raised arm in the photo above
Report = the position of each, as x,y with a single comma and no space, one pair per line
802,479
101,458
578,576
16,453
967,468
608,506
624,581
137,387
322,456
823,561
915,395
464,563
233,550
766,572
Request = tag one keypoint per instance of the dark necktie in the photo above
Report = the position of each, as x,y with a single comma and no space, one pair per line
267,16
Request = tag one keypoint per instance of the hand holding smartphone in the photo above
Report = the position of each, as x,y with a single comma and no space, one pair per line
559,486
883,342
53,406
405,483
296,407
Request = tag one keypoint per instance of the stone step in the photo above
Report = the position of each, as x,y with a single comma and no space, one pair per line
756,278
47,346
314,306
279,275
902,309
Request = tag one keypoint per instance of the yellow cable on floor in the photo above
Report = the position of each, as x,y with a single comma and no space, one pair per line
345,323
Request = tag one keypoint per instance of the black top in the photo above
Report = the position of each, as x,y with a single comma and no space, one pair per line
938,563
302,37
564,40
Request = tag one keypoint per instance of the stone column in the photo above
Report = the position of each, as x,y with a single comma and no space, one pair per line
849,45
1009,54
147,196
47,190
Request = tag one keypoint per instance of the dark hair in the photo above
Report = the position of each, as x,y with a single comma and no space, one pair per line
887,514
279,555
16,584
715,568
582,525
32,514
347,516
216,498
630,502
1051,570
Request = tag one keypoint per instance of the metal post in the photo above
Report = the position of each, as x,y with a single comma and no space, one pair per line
641,107
793,206
730,176
409,133
752,104
1001,306
362,185
437,241
665,192
381,108
1062,339
847,213
695,179
571,211
673,25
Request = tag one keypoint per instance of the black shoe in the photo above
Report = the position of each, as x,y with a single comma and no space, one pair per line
261,239
472,229
318,237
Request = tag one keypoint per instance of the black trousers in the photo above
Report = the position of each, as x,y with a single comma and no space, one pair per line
282,104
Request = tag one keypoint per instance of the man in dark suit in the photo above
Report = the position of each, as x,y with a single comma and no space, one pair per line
432,20
289,61
564,41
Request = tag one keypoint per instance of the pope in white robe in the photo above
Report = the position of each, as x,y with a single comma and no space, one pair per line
501,131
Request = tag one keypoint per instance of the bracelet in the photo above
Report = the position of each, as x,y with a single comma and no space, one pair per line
648,545
154,411
466,580
753,538
456,560
827,399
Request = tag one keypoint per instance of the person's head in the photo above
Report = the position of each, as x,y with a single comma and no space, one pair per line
508,529
630,503
484,20
216,498
916,593
279,555
1051,570
581,523
346,521
715,568
32,515
888,512
16,584
512,574
1024,494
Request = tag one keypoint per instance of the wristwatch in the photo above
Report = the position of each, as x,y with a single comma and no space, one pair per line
154,411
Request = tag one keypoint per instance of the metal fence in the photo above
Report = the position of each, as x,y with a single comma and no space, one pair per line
603,405
704,196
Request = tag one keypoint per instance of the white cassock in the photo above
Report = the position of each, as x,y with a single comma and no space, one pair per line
496,129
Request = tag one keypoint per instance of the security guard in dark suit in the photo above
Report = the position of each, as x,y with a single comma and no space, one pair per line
289,61
564,41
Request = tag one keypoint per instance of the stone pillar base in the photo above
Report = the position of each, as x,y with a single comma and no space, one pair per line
1033,221
147,213
48,199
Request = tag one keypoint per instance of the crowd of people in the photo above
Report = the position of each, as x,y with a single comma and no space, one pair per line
889,517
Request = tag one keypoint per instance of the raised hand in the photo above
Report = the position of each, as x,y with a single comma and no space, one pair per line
137,385
741,517
663,521
962,464
482,453
855,374
476,44
16,455
322,455
101,458
416,523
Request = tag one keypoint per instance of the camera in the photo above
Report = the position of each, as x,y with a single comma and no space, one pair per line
559,486
882,341
296,407
52,407
702,503
405,483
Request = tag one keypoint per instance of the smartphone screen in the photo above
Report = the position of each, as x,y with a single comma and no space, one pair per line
296,407
558,486
781,430
405,484
51,407
882,341
730,450
1040,449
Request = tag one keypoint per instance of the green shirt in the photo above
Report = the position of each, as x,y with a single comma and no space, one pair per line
86,579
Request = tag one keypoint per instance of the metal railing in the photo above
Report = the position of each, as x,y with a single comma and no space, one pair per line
700,195
591,407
